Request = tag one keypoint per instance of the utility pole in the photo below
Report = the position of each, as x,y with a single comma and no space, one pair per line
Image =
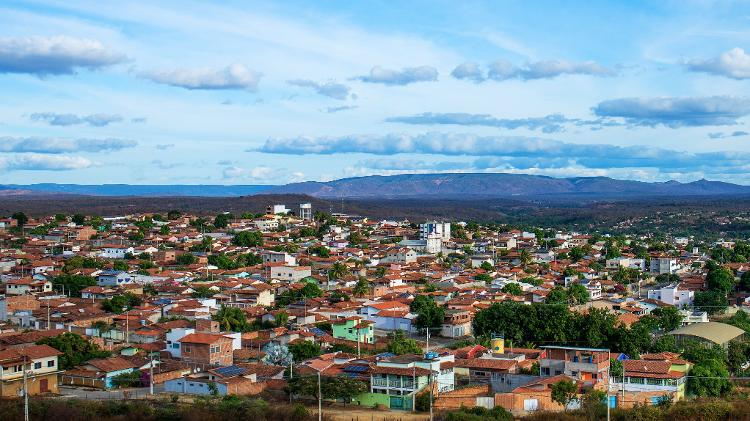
151,375
609,366
320,401
25,391
291,376
414,389
431,415
428,340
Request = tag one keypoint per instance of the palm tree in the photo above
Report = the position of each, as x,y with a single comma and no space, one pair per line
525,257
362,288
338,270
231,319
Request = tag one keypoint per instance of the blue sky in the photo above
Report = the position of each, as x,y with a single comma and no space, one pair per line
268,93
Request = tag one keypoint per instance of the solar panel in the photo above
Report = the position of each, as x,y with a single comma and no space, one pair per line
230,371
317,331
356,368
386,355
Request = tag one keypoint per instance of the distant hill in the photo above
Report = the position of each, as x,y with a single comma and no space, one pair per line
461,185
458,186
133,190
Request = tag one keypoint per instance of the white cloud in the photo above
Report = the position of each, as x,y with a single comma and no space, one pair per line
330,89
547,69
676,112
50,145
36,162
53,55
236,76
404,76
734,64
96,120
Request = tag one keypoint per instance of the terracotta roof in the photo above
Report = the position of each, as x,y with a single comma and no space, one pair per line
401,371
111,364
487,364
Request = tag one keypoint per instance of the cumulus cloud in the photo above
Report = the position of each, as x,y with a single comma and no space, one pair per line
57,55
236,76
676,112
548,124
719,135
330,89
36,162
401,77
548,69
516,152
96,120
164,146
734,64
48,145
468,71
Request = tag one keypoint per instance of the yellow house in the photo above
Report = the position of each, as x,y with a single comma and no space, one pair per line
41,365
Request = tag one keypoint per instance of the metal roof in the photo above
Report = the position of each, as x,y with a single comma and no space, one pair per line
718,333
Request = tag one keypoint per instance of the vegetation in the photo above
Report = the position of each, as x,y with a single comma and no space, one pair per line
75,350
399,344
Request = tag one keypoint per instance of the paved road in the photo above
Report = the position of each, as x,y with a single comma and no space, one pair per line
88,393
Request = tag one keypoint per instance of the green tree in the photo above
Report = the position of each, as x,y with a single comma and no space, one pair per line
72,284
487,266
185,259
304,350
564,392
120,265
120,303
745,281
429,314
338,270
578,294
164,230
513,289
78,219
711,302
362,287
248,239
174,214
231,319
669,318
558,295
709,378
75,350
616,368
21,218
222,220
720,279
399,344
203,291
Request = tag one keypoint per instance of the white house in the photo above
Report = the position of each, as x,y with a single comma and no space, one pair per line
662,265
116,252
672,294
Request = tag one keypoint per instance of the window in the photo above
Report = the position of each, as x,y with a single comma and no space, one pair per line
654,382
636,380
51,363
37,366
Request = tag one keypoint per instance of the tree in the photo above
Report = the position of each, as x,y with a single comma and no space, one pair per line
129,379
203,291
320,251
185,259
564,392
248,239
330,387
399,344
304,350
711,302
164,230
487,266
429,314
578,294
231,319
120,303
745,281
557,295
669,318
173,214
513,289
338,270
709,378
310,290
120,265
525,257
72,284
720,279
222,220
615,368
362,287
281,319
78,219
20,218
75,350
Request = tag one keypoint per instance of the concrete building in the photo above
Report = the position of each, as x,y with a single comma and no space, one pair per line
673,294
40,361
305,211
441,229
662,265
587,365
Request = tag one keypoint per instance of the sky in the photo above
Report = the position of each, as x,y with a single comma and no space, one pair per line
237,92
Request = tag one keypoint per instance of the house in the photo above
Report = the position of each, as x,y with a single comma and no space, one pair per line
206,348
673,294
115,252
25,286
353,329
390,315
662,265
626,262
590,366
650,380
99,373
457,323
400,255
535,396
110,278
222,381
290,273
41,364
270,256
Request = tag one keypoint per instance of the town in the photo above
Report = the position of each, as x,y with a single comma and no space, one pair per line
337,312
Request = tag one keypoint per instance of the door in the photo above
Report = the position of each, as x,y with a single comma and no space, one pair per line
43,386
530,404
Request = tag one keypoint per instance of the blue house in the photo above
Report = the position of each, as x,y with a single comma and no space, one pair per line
106,369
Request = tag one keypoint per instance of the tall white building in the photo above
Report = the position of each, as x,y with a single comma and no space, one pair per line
305,211
441,229
673,294
661,265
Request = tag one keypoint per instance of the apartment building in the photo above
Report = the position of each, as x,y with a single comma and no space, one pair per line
588,365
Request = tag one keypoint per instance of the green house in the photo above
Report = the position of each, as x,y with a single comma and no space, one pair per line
352,327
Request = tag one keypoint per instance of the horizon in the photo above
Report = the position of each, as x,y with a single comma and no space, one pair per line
202,93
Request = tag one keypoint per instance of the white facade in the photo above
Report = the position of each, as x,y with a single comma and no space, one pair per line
441,229
116,252
625,262
662,265
290,273
305,211
672,294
